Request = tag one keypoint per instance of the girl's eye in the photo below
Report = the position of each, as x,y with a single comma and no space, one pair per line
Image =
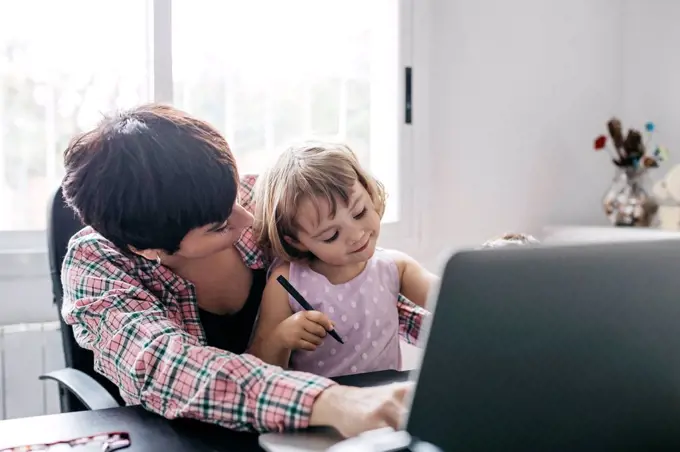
360,215
333,238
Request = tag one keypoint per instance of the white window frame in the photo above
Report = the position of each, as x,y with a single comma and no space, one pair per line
404,234
24,253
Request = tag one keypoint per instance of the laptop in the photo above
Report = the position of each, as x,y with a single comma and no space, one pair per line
552,348
558,348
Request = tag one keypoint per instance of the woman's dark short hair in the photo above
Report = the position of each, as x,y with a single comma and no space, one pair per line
147,176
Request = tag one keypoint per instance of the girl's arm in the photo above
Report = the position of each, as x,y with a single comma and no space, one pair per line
416,281
274,309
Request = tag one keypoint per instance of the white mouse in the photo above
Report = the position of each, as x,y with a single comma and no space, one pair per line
382,440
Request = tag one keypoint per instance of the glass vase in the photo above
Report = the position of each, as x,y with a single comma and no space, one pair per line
628,202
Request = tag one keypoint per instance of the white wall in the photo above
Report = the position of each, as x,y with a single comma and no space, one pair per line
517,92
651,69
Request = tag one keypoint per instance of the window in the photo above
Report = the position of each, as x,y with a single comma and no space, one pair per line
271,72
59,70
265,72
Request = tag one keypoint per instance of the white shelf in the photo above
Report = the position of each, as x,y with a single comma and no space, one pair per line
599,234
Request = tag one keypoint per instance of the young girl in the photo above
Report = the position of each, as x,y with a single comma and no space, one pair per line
319,212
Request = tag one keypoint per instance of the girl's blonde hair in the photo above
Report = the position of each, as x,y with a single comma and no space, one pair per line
315,171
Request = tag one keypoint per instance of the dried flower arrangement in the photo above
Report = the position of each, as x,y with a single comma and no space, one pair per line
631,152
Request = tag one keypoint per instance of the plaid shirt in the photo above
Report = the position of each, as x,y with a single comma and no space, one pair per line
141,321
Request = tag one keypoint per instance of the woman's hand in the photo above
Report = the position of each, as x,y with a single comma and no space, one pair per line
353,410
304,330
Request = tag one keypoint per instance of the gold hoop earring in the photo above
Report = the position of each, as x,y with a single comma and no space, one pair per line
158,259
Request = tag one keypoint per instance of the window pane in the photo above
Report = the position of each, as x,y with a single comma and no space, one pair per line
62,64
271,72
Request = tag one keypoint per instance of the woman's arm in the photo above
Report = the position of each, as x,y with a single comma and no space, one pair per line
274,309
159,365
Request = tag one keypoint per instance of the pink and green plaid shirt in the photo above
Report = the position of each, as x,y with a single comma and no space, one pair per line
141,322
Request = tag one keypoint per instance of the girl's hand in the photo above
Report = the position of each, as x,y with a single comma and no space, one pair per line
304,330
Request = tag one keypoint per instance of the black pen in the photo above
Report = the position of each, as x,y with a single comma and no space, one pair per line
302,302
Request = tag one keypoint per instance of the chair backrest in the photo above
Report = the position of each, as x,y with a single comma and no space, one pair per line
62,223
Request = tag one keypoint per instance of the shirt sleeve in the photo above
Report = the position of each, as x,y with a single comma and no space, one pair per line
411,318
145,351
246,245
246,192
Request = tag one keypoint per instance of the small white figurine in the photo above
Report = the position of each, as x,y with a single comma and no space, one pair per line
667,193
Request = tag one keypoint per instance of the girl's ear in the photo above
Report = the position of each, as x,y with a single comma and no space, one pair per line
294,243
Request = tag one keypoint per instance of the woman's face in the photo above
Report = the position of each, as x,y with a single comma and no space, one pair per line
211,239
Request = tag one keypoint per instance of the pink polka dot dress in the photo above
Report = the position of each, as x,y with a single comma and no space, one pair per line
364,311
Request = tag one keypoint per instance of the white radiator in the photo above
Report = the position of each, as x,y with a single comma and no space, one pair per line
27,351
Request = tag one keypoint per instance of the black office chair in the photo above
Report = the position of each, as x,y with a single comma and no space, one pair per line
80,387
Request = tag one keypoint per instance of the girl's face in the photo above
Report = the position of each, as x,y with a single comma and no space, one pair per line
348,237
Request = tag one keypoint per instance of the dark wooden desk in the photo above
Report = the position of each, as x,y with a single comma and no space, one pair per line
149,432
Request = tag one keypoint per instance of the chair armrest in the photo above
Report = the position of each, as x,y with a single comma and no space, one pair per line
85,388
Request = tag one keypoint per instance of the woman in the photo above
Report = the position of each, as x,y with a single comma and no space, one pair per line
164,283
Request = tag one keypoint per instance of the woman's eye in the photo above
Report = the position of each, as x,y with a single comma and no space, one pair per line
224,228
360,215
333,238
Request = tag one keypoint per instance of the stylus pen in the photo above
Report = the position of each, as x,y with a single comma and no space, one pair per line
302,302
